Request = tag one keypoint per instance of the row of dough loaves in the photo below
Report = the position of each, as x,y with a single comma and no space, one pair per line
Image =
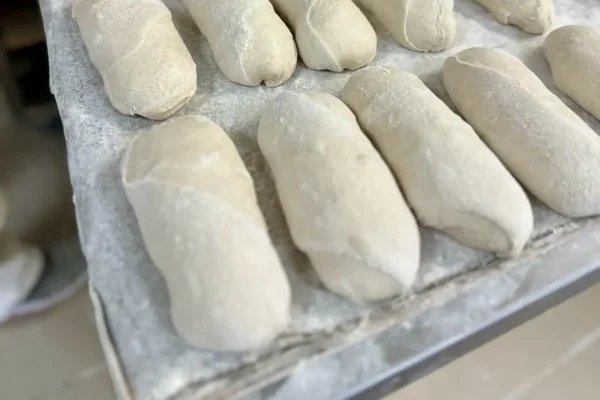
147,69
196,206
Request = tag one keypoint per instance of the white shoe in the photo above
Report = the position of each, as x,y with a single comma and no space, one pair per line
20,269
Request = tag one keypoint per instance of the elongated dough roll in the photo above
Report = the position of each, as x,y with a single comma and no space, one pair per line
249,41
573,53
542,142
424,25
145,66
340,200
197,211
450,178
533,16
330,34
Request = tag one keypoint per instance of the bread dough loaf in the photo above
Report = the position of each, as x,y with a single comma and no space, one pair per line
424,25
249,41
197,211
450,178
573,53
145,66
542,142
533,16
341,203
330,34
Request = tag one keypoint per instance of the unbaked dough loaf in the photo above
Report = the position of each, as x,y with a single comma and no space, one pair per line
249,41
330,34
574,56
424,25
533,16
341,203
450,178
197,211
542,142
145,66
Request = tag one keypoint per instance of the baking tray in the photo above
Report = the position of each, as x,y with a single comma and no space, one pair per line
332,348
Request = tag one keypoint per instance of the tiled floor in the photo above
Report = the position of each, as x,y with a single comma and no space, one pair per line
554,357
56,356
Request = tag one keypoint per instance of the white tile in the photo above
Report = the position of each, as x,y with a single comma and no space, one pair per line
96,387
555,356
39,354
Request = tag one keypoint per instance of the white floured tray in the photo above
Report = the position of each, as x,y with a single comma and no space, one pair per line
332,348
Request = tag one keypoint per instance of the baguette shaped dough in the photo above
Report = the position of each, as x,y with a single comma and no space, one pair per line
145,66
197,211
533,16
424,25
330,34
341,202
541,141
450,178
573,53
249,41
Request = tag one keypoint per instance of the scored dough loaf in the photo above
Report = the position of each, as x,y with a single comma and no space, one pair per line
196,207
533,16
541,141
450,178
145,66
330,34
340,200
249,42
424,25
573,53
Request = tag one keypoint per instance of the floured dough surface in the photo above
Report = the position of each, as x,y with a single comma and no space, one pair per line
543,142
533,16
341,202
196,207
418,25
450,178
145,66
249,41
573,53
330,34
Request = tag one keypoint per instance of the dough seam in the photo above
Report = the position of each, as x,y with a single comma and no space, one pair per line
107,87
438,25
318,35
244,49
546,103
149,26
405,24
320,106
200,193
